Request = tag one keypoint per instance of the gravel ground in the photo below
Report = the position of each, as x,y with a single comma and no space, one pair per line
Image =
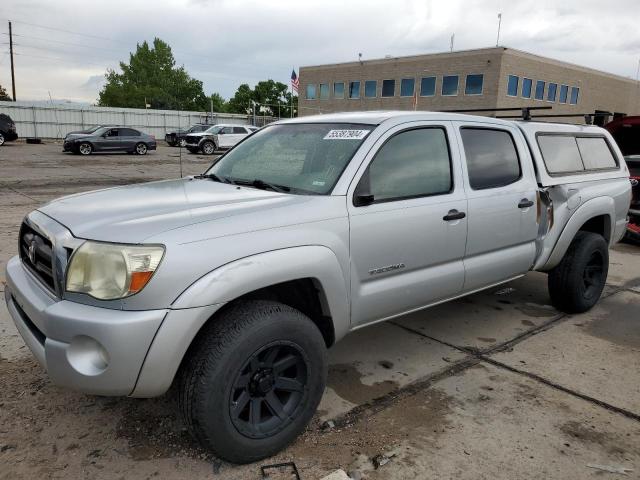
496,385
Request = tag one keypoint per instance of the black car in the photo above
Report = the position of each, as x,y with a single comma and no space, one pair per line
110,139
177,136
7,129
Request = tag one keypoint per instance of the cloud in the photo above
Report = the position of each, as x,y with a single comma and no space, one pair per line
228,42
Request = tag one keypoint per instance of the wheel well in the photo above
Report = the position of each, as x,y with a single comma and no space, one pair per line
600,225
305,295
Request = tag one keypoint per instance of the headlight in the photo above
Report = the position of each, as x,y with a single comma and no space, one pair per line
108,271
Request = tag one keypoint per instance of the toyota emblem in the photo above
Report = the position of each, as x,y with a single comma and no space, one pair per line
32,252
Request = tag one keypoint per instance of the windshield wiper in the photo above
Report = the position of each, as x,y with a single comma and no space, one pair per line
261,184
214,177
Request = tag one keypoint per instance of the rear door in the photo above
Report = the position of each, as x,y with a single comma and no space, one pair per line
128,138
407,245
238,134
501,190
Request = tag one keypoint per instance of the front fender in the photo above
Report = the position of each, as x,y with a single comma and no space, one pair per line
193,307
588,210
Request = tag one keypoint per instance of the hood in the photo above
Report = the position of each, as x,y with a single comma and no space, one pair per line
77,135
133,213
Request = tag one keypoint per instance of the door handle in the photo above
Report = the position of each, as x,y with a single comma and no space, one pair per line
525,203
453,215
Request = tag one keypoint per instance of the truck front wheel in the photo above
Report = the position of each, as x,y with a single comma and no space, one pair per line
576,283
253,380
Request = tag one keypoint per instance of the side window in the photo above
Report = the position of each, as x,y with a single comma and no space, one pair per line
413,163
492,158
560,153
239,130
227,130
129,132
112,133
595,153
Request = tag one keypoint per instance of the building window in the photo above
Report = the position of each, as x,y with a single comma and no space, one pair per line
512,85
574,95
311,91
539,90
370,87
354,89
551,92
450,85
526,87
564,93
388,88
407,86
473,84
428,86
324,91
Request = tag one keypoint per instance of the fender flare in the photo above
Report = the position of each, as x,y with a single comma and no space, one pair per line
588,210
200,301
248,274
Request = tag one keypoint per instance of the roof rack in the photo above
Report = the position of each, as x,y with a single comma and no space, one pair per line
588,117
525,111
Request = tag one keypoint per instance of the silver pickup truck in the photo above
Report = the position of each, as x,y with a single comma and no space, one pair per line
233,284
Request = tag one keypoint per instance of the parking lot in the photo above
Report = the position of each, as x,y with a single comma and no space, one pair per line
495,385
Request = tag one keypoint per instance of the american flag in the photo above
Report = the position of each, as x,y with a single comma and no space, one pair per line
295,82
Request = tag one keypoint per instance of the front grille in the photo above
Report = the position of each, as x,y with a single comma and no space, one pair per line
192,140
36,252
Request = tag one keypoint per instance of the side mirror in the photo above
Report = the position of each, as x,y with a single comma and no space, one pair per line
363,199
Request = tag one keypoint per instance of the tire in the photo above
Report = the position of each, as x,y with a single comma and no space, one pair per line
208,147
192,150
228,377
141,149
576,283
85,148
2,139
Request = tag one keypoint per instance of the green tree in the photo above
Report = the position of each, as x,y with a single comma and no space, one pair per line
274,98
219,104
151,77
4,95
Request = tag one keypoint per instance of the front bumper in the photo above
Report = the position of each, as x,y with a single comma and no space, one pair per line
91,349
10,136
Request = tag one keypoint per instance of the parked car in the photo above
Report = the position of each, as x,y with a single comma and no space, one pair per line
110,139
232,284
626,132
218,137
176,137
7,129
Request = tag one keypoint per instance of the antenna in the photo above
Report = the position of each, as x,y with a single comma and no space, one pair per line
499,24
453,36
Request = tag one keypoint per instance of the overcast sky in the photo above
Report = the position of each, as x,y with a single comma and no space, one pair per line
228,42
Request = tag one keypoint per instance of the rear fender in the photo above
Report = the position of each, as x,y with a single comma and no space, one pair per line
588,210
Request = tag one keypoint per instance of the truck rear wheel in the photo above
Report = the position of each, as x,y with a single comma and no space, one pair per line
576,283
253,380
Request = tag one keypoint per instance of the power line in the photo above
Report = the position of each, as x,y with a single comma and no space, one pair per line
93,47
66,31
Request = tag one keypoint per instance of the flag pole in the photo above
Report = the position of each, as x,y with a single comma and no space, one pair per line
291,87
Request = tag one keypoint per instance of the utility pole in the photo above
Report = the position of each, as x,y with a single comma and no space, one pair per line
499,23
13,76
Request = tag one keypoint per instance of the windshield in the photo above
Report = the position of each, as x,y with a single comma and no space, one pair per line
92,129
308,158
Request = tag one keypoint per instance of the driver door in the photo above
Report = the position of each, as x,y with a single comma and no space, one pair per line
110,140
408,227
